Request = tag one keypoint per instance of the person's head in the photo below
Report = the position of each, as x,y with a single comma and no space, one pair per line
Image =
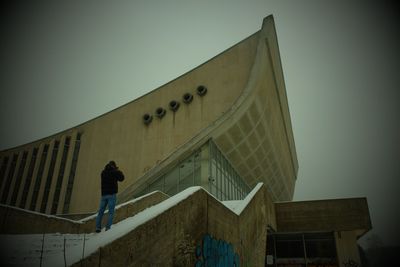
111,165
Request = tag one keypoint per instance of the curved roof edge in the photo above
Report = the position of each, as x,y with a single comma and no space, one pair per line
130,102
214,129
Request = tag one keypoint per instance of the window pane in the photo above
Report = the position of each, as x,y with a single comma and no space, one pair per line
289,246
186,174
171,182
157,185
197,168
320,245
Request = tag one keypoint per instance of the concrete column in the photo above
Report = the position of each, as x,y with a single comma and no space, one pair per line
346,247
14,177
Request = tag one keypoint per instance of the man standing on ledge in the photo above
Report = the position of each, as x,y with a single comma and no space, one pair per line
110,177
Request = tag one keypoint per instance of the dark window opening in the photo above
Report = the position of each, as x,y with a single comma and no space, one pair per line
315,249
72,174
320,246
49,176
28,178
19,178
289,246
3,168
9,179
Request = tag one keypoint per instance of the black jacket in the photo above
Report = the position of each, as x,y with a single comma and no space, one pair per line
109,180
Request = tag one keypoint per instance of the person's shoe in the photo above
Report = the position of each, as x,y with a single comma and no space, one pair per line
107,229
98,230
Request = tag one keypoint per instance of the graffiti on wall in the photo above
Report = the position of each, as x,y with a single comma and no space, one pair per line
213,252
350,263
186,249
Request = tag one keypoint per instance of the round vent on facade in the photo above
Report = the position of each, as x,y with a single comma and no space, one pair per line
174,105
160,112
147,118
187,98
201,90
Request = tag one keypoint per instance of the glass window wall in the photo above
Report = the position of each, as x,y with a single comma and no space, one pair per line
185,174
206,167
224,182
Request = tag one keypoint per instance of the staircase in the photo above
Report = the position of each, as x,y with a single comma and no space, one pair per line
154,230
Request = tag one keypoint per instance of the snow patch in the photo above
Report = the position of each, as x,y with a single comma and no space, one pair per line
67,249
237,206
119,206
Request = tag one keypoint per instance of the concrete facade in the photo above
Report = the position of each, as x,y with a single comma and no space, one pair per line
245,111
348,219
323,215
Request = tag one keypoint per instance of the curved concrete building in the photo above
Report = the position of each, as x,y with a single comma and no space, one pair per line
218,133
236,99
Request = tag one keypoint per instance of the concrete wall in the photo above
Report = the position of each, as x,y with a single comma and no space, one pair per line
172,238
323,215
158,241
177,237
253,231
18,221
347,250
347,218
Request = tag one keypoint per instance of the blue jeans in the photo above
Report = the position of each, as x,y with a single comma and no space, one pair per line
110,201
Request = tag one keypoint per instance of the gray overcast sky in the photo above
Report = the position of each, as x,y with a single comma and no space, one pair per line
65,63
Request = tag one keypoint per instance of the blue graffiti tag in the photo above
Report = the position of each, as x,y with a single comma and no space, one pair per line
350,263
216,253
